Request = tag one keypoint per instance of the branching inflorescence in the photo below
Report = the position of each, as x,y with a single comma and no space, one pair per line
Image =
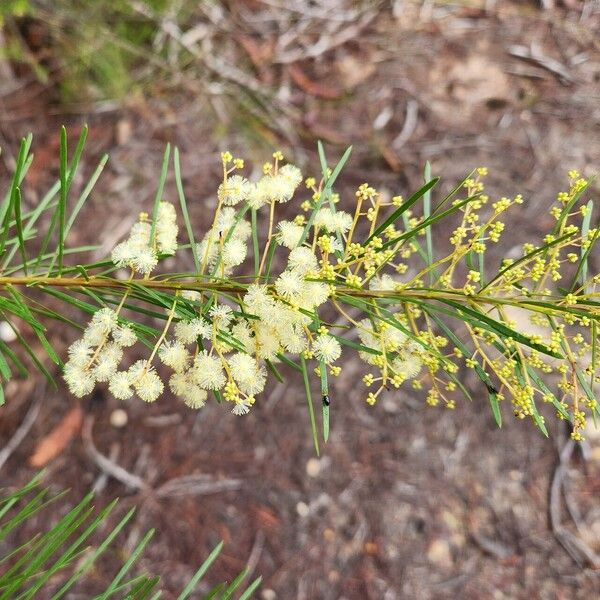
360,273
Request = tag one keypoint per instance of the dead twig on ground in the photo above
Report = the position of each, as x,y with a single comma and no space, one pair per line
577,549
102,479
21,432
533,54
197,485
106,464
326,42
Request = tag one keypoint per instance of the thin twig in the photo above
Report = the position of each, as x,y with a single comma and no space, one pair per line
577,549
197,485
534,55
21,432
102,479
410,123
107,465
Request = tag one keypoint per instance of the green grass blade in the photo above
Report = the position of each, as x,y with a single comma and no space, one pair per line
235,584
403,208
193,582
62,202
426,215
85,193
251,589
91,559
325,399
160,188
311,411
19,228
184,209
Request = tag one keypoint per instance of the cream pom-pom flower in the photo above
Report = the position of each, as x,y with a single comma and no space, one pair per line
234,190
326,348
302,260
208,371
289,234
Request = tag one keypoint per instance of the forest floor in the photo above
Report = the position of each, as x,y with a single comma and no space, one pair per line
406,501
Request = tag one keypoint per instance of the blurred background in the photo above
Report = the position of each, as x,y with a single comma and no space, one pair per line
406,501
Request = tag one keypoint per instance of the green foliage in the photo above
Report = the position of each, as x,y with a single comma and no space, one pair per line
56,560
99,45
13,8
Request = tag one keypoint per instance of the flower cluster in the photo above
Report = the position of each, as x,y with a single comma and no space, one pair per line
96,356
397,303
141,251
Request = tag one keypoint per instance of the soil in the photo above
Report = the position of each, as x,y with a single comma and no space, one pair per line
406,501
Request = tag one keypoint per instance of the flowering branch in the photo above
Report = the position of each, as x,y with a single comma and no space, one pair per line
416,315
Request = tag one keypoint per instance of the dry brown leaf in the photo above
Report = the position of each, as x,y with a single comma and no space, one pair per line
58,439
314,88
259,53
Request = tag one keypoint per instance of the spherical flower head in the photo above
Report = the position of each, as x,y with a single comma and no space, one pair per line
122,254
78,380
333,221
314,294
222,315
409,366
257,197
111,351
342,221
104,368
183,385
326,348
144,260
258,301
292,174
277,188
234,190
234,252
166,212
393,338
179,382
94,334
174,354
241,408
120,386
243,367
137,369
267,340
302,260
191,295
289,234
195,398
289,285
148,386
188,332
208,371
80,353
124,336
105,318
384,283
296,342
325,219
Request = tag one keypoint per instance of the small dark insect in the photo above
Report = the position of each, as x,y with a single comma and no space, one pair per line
325,400
491,389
